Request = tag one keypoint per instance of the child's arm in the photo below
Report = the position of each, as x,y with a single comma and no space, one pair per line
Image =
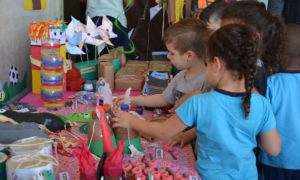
156,100
183,138
270,142
161,130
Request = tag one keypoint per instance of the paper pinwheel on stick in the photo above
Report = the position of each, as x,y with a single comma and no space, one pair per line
90,34
73,42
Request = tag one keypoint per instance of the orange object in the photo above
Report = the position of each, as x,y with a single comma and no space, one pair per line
106,136
106,107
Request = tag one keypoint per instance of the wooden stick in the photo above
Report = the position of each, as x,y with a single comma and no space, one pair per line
151,156
172,154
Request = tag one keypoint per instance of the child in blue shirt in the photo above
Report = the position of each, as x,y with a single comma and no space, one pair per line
227,119
283,93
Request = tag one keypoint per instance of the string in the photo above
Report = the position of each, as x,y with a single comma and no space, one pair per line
30,157
94,123
128,134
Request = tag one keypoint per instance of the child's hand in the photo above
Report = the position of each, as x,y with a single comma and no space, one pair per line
119,100
182,139
122,119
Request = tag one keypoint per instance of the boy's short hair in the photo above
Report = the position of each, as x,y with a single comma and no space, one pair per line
215,10
188,34
292,51
293,40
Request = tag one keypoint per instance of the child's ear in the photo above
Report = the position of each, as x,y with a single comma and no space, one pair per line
190,55
218,63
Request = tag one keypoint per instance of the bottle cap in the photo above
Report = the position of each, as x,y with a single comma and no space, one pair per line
106,107
124,107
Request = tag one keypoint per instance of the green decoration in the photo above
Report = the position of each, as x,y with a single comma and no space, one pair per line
84,128
48,175
84,117
127,5
97,147
134,141
132,46
129,51
13,90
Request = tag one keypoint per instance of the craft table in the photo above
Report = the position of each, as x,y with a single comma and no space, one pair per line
182,163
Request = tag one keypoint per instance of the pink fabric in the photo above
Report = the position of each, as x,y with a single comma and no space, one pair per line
185,162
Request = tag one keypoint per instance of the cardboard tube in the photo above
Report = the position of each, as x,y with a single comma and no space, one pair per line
106,70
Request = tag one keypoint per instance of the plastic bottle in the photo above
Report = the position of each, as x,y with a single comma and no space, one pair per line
95,136
108,115
52,74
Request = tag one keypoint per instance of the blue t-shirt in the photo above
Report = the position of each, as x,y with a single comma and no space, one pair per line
225,138
283,93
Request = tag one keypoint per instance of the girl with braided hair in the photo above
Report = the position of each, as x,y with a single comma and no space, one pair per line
271,29
228,118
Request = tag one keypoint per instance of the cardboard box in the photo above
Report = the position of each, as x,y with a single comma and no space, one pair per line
130,76
160,66
123,84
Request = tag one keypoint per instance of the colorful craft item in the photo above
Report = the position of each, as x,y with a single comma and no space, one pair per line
140,177
140,165
168,177
127,167
40,30
137,170
163,172
152,163
64,145
113,164
107,142
148,169
87,163
156,175
52,74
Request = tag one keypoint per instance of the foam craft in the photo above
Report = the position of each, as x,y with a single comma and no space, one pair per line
163,172
97,147
152,163
156,175
140,177
107,142
140,164
177,177
137,170
127,167
26,166
148,169
168,177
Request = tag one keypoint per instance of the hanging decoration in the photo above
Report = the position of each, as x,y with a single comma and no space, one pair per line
35,4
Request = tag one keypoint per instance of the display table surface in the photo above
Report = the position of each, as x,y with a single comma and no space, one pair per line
183,163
